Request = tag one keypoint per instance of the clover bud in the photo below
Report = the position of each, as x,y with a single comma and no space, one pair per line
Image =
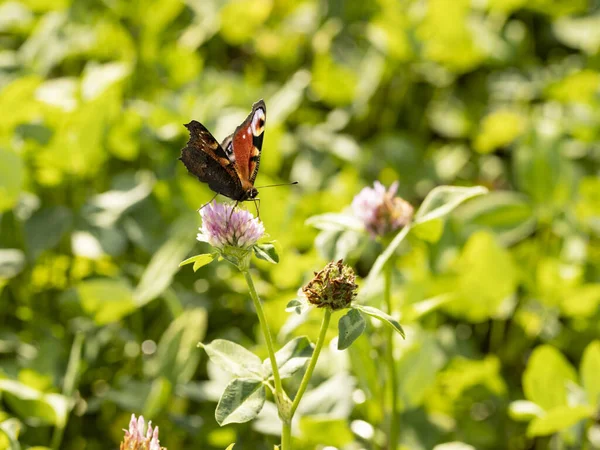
332,287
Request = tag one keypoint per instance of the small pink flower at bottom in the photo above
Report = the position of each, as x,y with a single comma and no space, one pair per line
136,439
223,226
380,211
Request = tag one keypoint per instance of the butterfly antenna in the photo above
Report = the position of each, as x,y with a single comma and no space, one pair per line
275,185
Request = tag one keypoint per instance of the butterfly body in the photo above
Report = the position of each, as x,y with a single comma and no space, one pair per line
229,168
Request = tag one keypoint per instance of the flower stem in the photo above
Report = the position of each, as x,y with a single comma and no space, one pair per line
69,386
279,393
394,431
312,363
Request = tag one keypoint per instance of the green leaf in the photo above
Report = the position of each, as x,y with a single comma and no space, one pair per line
558,419
199,260
546,377
381,260
30,403
429,231
292,357
164,264
485,277
590,370
241,401
296,305
12,175
12,262
524,410
230,446
317,431
234,358
267,252
385,318
509,215
45,228
177,357
107,300
11,428
335,222
454,446
350,327
442,200
160,393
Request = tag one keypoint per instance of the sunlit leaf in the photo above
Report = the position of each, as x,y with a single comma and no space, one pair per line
292,357
590,368
177,357
11,178
557,419
164,264
105,299
486,276
335,222
325,431
380,315
11,428
267,252
199,260
12,261
524,410
234,358
443,199
546,378
28,402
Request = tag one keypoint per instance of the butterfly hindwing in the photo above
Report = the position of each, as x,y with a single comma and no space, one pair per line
207,160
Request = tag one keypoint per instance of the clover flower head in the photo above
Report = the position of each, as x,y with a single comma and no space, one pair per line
332,287
380,210
223,226
136,439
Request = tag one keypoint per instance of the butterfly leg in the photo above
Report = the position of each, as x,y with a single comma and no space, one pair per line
210,201
232,210
257,206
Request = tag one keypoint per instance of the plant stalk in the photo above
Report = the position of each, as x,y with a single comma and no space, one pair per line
69,386
312,363
281,398
267,335
394,431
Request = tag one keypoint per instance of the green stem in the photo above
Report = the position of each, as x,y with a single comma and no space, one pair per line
69,386
286,436
267,334
279,392
312,363
394,431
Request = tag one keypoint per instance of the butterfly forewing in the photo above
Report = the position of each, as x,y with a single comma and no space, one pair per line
247,142
205,158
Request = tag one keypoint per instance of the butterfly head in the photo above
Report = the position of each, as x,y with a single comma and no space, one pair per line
250,194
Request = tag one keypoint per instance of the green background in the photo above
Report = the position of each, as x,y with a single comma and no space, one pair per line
96,213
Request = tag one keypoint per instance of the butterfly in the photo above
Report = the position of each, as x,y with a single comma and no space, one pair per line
229,168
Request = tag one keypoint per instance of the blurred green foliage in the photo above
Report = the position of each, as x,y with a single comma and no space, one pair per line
500,305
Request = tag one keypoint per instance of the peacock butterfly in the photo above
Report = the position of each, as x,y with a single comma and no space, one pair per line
229,168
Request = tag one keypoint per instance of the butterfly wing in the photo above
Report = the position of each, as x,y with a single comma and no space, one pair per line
207,160
245,144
